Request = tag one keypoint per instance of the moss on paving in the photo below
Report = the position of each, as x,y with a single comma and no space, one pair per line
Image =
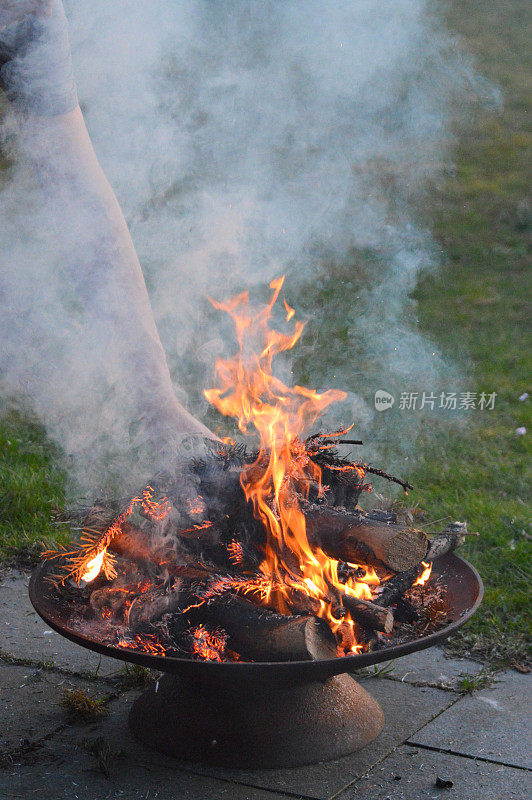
475,308
81,706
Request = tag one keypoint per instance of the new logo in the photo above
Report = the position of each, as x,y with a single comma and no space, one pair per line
383,400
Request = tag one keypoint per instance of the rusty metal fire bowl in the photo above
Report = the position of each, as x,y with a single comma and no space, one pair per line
253,714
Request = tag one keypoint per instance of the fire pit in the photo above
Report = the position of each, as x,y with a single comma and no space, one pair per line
260,714
254,579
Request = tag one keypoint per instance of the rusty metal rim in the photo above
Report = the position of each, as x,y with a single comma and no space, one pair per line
288,670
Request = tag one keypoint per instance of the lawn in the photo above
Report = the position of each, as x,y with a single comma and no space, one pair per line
479,307
31,490
475,308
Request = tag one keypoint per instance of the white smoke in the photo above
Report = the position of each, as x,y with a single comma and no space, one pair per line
245,140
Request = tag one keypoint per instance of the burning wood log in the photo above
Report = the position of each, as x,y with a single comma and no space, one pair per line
261,635
443,543
368,614
452,537
398,585
137,546
357,538
151,605
134,544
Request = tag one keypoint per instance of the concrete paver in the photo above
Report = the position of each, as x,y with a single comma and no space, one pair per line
410,774
495,723
30,703
69,772
101,761
406,708
314,781
23,634
431,667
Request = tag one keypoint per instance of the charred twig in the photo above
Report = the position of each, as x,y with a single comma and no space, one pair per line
398,585
381,474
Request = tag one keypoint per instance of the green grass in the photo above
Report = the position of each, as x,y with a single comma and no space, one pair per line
475,308
31,490
478,309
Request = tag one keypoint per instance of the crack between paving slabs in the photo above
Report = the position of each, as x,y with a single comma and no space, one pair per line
384,757
7,756
450,752
283,792
46,666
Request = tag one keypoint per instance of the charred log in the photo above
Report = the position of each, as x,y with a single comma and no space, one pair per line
398,585
359,538
368,614
262,635
139,547
151,605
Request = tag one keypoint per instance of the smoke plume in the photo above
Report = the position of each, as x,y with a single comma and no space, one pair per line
243,140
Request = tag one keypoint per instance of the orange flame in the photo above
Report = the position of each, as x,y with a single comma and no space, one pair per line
289,311
93,567
250,392
156,510
94,557
425,575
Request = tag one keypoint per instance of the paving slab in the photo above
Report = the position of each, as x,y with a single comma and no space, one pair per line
23,634
62,772
410,774
431,667
101,761
495,723
406,709
30,702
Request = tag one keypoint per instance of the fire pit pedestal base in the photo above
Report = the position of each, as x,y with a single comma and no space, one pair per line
247,724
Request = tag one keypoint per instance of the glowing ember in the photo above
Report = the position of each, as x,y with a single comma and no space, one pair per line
425,575
208,645
236,555
249,391
146,643
155,510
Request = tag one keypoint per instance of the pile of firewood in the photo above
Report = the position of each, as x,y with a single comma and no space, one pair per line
181,575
